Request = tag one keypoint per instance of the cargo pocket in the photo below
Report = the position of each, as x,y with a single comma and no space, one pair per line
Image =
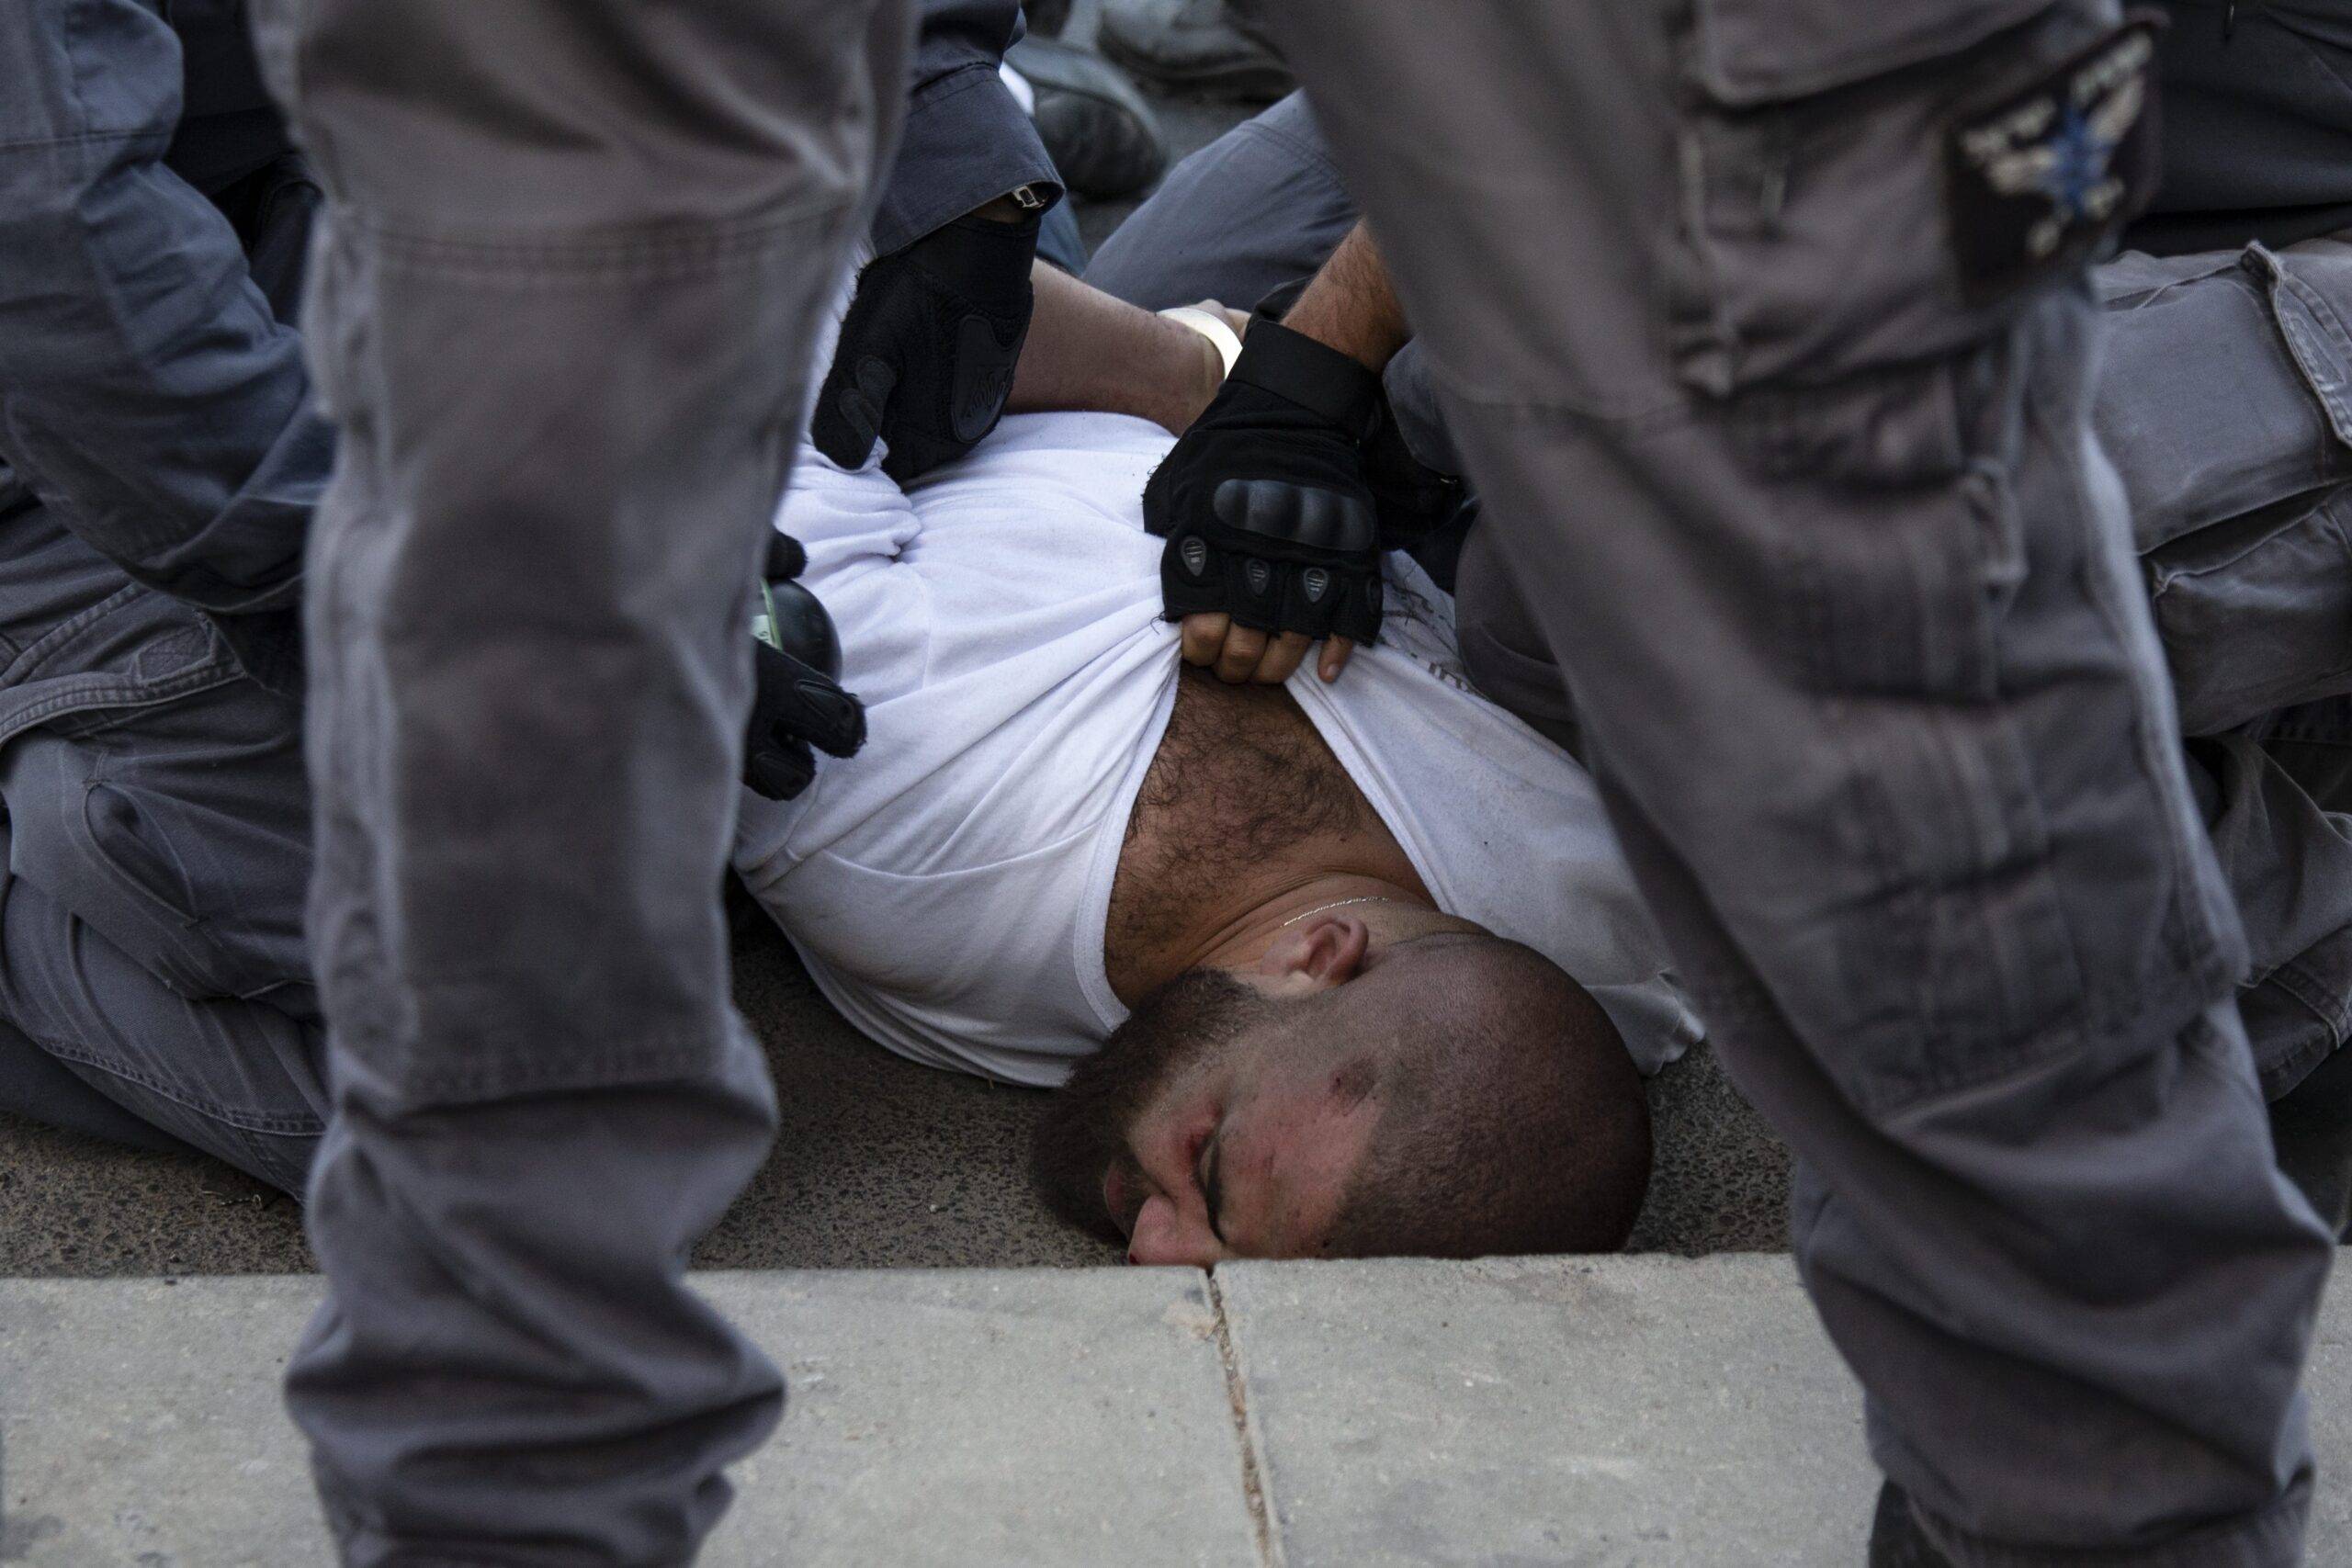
2314,332
2256,615
2247,549
1866,187
151,890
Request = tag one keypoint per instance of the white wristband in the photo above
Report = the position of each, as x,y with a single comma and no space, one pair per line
1212,326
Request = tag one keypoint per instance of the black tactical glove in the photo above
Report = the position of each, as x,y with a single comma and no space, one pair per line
797,701
1410,500
1264,501
927,352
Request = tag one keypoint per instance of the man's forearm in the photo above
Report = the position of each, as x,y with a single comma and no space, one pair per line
1350,306
1088,350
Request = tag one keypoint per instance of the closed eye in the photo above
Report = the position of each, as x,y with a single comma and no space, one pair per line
1210,1193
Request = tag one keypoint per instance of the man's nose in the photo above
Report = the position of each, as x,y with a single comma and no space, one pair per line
1164,1237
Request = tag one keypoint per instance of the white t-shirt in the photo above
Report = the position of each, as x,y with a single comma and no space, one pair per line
948,887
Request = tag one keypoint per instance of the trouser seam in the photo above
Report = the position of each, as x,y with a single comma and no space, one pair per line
2329,1005
642,251
248,1122
686,1055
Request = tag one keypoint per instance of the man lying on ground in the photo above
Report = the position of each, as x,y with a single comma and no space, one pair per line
1331,891
1372,974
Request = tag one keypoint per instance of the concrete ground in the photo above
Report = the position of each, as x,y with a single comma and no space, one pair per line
1620,1413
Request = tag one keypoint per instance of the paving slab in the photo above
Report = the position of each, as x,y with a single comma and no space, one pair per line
1616,1413
936,1417
1620,1413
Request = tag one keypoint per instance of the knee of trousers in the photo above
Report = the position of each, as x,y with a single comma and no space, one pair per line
100,850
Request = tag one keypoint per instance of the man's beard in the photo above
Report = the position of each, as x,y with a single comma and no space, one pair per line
1084,1130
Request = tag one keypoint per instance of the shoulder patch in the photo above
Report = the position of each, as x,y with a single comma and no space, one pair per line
2037,180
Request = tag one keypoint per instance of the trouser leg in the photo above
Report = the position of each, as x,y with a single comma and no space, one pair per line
93,1040
564,318
2311,746
150,939
37,1086
2289,865
1255,211
1844,594
2222,402
181,832
2257,124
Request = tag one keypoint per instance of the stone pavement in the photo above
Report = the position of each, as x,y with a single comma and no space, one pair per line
1618,1412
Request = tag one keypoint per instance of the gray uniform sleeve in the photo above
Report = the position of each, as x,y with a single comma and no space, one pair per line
966,140
162,410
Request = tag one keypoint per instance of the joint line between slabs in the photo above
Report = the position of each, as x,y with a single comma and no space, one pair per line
1253,1470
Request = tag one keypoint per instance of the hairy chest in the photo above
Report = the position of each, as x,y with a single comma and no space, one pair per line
1242,792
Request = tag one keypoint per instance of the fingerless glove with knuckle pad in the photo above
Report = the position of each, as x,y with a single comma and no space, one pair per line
1264,501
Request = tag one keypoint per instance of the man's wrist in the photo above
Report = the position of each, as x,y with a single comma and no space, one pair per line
1350,305
1368,340
1333,384
1190,394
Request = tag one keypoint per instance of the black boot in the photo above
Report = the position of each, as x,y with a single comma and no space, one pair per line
1094,124
1206,47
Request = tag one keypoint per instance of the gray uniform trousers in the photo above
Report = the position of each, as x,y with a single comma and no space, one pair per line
563,314
1844,593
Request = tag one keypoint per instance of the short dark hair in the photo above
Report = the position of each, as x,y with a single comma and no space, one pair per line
1512,1121
1511,1117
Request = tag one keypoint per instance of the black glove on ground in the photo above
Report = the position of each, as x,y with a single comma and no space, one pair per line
1264,501
927,352
797,702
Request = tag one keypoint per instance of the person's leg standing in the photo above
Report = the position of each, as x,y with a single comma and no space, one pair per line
1844,592
564,316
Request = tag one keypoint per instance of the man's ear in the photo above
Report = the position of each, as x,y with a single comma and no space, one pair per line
1317,954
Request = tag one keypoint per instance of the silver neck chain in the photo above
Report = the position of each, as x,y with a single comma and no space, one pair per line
1340,904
